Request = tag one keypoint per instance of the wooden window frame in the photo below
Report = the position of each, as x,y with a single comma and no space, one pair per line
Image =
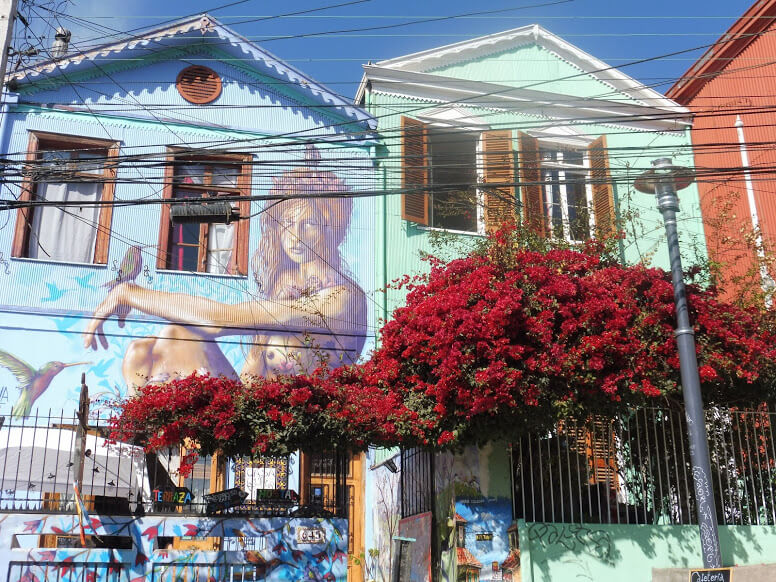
598,185
565,172
176,156
43,141
494,164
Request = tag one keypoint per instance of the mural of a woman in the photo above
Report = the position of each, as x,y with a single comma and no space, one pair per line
307,309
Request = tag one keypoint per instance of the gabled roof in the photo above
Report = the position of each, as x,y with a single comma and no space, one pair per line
744,31
532,34
200,29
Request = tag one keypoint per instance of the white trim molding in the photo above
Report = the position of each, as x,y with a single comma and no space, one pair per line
534,34
495,96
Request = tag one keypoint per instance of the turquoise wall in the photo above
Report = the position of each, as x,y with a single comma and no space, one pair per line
565,551
530,65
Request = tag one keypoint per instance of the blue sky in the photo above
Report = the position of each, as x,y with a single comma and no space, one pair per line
618,33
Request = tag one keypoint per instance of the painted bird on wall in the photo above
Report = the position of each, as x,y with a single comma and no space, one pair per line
32,382
130,267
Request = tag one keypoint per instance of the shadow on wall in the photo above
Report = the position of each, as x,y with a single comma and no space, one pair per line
556,551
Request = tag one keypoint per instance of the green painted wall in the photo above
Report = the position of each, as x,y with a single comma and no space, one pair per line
400,244
534,67
603,553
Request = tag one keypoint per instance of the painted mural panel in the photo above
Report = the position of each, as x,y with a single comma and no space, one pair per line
480,514
383,486
302,300
134,549
415,555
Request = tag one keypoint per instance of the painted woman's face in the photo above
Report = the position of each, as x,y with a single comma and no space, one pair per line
302,233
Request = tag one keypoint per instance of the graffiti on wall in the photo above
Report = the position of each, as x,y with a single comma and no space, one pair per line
272,549
575,538
300,301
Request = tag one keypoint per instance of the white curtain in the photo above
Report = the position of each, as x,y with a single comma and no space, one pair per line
67,233
220,243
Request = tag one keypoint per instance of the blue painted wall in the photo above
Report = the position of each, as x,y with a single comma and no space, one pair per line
134,101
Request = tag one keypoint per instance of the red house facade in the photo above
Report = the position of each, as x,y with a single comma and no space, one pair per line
730,93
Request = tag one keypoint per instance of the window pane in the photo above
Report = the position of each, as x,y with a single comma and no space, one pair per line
184,247
454,164
67,233
548,155
217,241
91,160
226,176
184,240
573,157
579,225
554,202
189,174
54,156
219,248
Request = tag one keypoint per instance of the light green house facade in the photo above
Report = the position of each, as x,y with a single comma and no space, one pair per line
531,82
517,122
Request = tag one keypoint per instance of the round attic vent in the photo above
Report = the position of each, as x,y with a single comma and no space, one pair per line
198,84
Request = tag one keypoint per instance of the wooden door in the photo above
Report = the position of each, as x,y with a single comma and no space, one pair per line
318,479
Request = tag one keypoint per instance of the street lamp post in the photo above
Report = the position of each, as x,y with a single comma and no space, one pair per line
664,180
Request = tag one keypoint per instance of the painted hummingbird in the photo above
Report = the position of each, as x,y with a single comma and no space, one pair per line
130,267
32,382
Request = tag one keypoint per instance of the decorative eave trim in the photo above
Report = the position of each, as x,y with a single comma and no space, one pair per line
226,135
527,101
209,28
743,32
532,34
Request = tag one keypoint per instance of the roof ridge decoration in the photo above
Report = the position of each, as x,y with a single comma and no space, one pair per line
468,50
207,27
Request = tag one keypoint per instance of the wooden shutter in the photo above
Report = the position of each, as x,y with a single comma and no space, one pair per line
603,193
595,439
601,450
529,164
102,241
244,182
499,169
414,175
24,215
164,215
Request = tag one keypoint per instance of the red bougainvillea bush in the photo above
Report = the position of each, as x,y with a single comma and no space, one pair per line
503,341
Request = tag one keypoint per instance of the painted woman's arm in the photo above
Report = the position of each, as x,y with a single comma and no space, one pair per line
327,309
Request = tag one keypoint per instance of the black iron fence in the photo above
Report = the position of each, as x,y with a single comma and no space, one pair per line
637,470
43,456
416,481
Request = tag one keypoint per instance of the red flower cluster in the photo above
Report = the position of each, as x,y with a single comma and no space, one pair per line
503,341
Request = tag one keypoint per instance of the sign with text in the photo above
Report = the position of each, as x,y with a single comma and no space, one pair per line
711,575
276,497
310,535
485,536
221,500
259,478
172,497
